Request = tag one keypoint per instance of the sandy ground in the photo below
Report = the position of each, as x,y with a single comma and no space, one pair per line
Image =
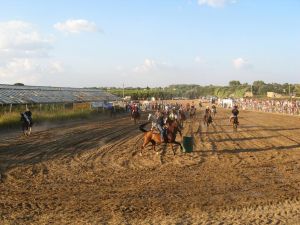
92,173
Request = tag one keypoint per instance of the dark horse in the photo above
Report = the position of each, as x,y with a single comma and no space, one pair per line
207,119
154,137
192,113
234,121
26,123
135,115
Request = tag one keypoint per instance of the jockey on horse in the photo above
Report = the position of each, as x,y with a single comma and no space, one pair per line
158,123
26,117
235,112
173,115
207,116
168,128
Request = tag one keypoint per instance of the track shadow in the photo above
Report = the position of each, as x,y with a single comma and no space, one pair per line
246,138
253,150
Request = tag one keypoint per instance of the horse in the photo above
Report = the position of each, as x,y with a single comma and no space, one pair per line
234,122
154,136
207,119
26,124
135,115
192,112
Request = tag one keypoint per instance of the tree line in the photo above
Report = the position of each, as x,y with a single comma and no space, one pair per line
234,89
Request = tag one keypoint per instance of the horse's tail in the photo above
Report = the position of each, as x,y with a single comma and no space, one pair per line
142,127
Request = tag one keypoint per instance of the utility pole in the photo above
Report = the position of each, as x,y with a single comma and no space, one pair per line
290,90
123,91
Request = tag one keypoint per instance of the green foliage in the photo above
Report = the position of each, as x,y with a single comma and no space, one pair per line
234,89
234,83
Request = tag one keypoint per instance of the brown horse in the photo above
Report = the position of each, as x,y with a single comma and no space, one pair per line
155,138
135,115
207,119
234,122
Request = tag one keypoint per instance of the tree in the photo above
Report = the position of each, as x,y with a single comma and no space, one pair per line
234,83
258,83
19,84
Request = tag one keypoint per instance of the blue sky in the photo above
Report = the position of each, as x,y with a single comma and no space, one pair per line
149,42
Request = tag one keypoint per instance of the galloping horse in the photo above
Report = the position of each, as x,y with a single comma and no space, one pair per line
26,124
234,122
154,137
207,119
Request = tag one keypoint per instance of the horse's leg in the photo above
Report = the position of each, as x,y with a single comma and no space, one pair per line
173,149
146,141
29,131
153,144
177,143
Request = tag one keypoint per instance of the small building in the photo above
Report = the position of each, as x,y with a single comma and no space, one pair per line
227,103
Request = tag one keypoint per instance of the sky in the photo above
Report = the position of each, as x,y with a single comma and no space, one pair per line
97,43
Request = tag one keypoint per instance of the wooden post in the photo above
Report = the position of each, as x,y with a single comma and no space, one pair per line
10,107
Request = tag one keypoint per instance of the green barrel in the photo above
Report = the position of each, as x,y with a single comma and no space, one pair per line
188,144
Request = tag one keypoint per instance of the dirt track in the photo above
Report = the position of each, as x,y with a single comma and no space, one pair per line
91,173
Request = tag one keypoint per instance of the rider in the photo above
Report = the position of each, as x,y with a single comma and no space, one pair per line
200,104
214,108
235,112
207,110
208,114
173,115
161,125
28,117
135,108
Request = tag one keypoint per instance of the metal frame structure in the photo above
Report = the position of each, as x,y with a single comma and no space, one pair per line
13,94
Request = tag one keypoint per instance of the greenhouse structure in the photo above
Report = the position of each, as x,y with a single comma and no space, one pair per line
16,97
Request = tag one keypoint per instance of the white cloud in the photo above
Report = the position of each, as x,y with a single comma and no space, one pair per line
28,70
24,53
19,38
240,63
76,26
215,3
148,65
151,65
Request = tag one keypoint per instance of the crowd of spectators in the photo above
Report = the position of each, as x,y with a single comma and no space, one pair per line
291,107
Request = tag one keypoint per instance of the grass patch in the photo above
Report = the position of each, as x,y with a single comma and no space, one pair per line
11,120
